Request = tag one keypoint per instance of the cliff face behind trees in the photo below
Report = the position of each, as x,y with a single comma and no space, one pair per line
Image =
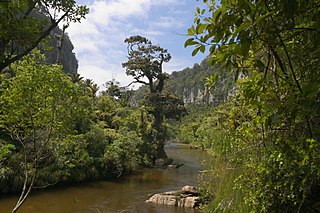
189,85
49,47
67,57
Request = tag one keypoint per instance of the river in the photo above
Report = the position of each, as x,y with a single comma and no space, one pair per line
126,194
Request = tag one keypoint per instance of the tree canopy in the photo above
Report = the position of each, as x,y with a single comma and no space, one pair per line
145,60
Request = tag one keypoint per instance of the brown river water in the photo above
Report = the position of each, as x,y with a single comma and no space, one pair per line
126,194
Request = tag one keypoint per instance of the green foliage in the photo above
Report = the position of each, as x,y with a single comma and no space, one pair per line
25,17
62,132
5,151
272,121
113,89
73,159
39,106
7,169
217,188
35,101
105,109
122,156
169,105
97,139
145,62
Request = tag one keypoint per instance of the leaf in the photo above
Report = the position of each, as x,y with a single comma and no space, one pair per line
245,47
240,29
201,28
202,48
191,30
198,10
195,51
212,81
188,42
259,64
217,15
212,49
262,18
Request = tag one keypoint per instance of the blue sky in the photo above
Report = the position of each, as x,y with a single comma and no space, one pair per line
99,39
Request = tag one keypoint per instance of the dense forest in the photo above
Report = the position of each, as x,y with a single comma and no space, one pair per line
55,129
253,104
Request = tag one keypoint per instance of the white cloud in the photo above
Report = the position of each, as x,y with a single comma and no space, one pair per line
167,22
86,27
99,39
103,12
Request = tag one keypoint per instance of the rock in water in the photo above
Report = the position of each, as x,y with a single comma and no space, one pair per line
186,197
190,190
189,202
163,162
170,200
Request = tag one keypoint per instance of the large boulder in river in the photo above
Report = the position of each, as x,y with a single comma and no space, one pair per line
165,199
186,197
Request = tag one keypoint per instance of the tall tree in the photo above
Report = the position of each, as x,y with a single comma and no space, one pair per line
28,22
145,61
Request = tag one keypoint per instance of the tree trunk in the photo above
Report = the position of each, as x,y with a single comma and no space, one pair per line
159,151
25,191
160,136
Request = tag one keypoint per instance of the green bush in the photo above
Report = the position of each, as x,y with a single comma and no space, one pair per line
122,156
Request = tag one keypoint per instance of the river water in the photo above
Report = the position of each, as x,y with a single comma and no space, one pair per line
126,194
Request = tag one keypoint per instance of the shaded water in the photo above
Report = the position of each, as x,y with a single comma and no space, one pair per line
126,194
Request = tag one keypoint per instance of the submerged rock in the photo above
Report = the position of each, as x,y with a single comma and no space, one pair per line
163,162
186,197
166,163
175,166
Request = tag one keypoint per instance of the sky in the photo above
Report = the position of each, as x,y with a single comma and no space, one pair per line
99,39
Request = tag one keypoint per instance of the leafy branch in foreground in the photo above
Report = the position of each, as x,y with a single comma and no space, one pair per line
274,47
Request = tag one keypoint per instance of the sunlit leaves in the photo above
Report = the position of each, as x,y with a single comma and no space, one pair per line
212,80
36,100
271,45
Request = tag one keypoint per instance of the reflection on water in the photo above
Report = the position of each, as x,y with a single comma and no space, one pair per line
126,194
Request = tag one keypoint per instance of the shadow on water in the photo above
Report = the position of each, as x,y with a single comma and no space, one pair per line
126,194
